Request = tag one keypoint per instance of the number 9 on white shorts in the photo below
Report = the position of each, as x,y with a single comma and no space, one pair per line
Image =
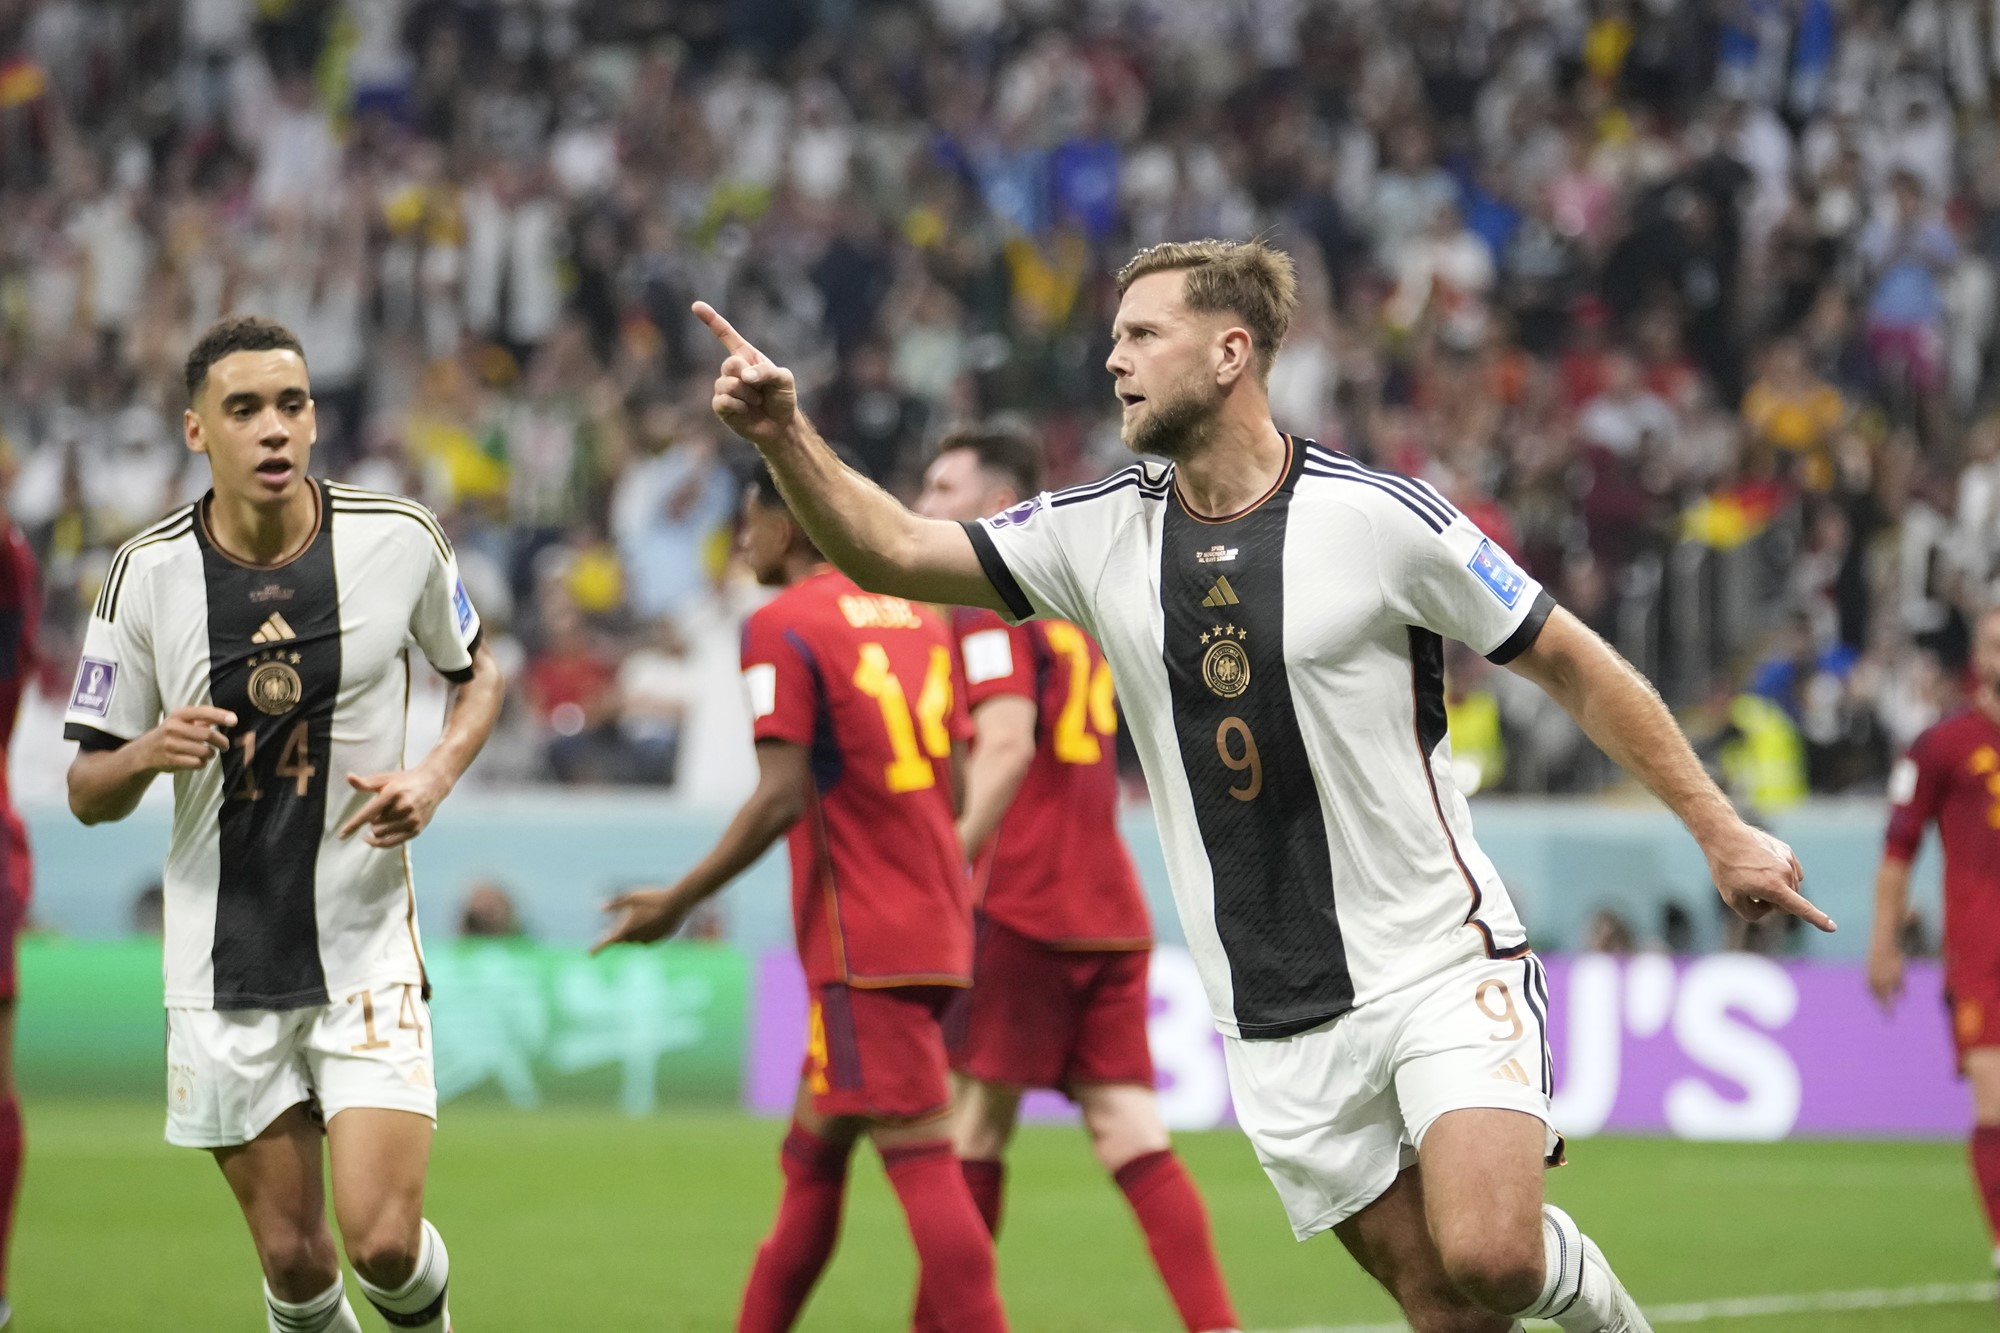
230,1073
1337,1112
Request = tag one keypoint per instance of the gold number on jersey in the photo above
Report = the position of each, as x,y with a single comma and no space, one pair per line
1506,1013
295,760
1249,761
911,768
373,1043
406,1014
1088,712
248,790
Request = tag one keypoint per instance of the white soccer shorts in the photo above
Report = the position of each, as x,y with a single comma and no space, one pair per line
230,1073
1337,1112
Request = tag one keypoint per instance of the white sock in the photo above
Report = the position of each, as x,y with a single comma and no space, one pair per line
327,1312
1579,1297
419,1303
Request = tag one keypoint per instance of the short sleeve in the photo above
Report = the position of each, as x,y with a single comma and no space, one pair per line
1440,572
781,678
443,623
1916,794
1025,559
998,657
116,697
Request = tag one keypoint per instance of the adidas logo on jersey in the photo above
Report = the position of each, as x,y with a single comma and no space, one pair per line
273,630
1221,594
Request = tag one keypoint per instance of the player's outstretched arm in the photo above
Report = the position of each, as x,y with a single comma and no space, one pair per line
856,524
400,803
1885,944
784,781
1618,708
105,785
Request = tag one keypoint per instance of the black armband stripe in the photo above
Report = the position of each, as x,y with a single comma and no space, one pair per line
1526,632
997,573
92,739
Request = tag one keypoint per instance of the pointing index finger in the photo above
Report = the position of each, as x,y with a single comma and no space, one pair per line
725,332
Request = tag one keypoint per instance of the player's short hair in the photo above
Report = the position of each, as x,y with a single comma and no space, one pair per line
238,333
1252,280
1007,451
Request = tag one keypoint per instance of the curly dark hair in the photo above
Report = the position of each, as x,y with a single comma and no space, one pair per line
238,333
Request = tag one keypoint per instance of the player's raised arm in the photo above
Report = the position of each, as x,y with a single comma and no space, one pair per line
856,524
105,785
1754,872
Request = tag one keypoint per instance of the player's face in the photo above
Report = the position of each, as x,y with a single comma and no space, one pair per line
1986,653
254,419
958,489
1162,362
765,538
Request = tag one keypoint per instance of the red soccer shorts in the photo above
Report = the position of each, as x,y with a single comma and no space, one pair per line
1041,1017
879,1053
1974,1003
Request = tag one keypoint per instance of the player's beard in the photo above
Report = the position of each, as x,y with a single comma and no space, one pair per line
1176,426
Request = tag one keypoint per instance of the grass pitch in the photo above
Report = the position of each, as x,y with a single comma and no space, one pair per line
584,1221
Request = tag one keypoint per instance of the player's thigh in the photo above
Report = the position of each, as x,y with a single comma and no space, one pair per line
231,1074
1123,1121
1018,1026
1391,1240
278,1183
379,1159
370,1062
1482,1171
1982,1072
879,1055
983,1117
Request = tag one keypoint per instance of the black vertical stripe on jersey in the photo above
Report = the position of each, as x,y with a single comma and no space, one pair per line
1269,858
266,950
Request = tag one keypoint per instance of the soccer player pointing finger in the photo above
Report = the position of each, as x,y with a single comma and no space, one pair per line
255,645
1274,613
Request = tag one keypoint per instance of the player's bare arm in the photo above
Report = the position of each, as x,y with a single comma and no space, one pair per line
1885,944
857,525
105,785
784,781
1002,752
1619,710
400,803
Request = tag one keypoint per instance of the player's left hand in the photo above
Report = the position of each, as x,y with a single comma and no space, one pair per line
400,806
644,915
1756,875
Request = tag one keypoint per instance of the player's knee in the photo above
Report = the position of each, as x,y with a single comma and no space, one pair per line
386,1254
1497,1273
1123,1130
296,1262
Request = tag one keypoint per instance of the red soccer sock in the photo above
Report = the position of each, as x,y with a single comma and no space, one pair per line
1170,1211
954,1250
1986,1171
984,1179
801,1241
12,1145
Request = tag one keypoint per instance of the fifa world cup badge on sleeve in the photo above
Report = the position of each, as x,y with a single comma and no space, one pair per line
94,682
461,605
1497,572
1019,514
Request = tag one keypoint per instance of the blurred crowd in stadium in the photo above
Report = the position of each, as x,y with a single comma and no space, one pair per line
1690,303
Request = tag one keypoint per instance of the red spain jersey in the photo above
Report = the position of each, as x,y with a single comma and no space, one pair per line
1056,870
869,685
20,623
1952,775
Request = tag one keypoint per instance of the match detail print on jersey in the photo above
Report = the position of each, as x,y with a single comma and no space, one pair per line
1255,794
280,674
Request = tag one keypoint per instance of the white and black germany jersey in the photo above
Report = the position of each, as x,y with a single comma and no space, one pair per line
1283,675
265,907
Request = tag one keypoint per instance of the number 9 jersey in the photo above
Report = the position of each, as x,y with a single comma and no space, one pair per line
869,685
265,907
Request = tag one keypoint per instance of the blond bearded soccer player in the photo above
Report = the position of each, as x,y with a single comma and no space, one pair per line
255,645
1383,1019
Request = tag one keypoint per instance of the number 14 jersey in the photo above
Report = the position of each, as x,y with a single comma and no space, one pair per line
869,685
265,907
